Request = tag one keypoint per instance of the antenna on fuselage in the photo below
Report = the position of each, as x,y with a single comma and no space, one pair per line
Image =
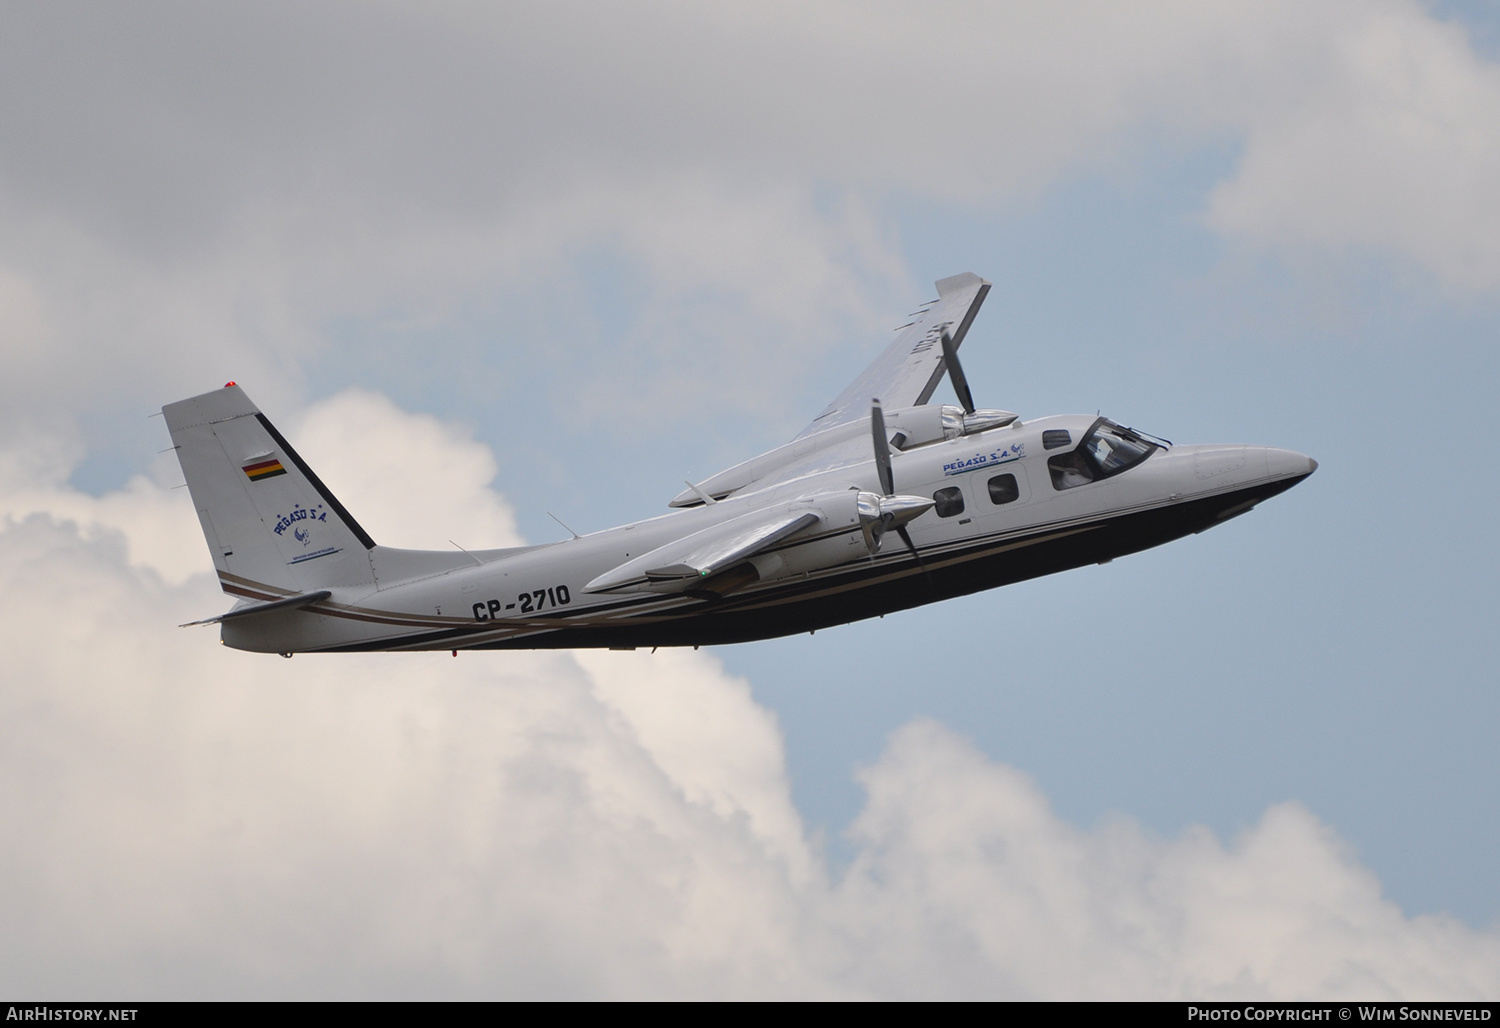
475,559
559,520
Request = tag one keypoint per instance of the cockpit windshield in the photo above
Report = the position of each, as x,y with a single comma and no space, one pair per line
1106,450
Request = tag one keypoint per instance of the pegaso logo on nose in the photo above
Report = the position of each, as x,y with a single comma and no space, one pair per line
300,521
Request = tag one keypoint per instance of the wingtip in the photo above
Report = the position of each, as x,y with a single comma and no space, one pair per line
954,283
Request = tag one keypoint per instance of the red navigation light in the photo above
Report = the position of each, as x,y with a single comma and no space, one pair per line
228,385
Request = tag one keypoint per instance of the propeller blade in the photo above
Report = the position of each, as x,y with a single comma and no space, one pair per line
882,450
906,538
956,373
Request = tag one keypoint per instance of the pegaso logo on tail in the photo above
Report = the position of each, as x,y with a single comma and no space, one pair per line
299,515
300,521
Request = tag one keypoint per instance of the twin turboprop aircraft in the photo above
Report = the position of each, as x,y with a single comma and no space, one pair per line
884,502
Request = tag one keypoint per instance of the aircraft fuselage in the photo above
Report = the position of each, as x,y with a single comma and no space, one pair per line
1005,512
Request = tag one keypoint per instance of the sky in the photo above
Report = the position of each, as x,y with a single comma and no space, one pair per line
560,257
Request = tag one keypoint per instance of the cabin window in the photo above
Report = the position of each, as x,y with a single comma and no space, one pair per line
1106,450
950,501
1003,489
1052,438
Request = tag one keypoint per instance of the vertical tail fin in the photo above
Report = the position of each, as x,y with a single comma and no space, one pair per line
271,525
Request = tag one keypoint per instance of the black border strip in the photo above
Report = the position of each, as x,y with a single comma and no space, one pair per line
317,483
1219,1012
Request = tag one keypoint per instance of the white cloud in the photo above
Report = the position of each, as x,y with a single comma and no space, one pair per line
1391,143
151,521
182,819
967,881
718,747
178,819
411,480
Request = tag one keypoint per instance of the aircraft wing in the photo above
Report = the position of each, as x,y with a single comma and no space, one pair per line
703,554
906,374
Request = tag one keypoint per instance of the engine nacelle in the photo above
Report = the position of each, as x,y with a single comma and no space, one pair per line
839,537
933,423
908,426
865,519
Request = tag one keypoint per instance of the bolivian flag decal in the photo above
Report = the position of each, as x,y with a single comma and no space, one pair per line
263,469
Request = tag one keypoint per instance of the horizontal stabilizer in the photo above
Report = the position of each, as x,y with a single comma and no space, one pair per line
706,553
285,603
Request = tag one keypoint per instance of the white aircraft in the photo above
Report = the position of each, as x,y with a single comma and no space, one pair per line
797,539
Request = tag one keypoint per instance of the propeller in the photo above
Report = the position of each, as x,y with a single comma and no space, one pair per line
956,373
894,511
882,450
974,421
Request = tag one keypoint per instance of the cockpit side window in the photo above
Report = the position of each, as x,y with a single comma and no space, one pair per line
1052,438
1070,470
1106,450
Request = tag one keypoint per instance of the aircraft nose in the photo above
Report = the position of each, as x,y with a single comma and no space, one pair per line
1289,464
